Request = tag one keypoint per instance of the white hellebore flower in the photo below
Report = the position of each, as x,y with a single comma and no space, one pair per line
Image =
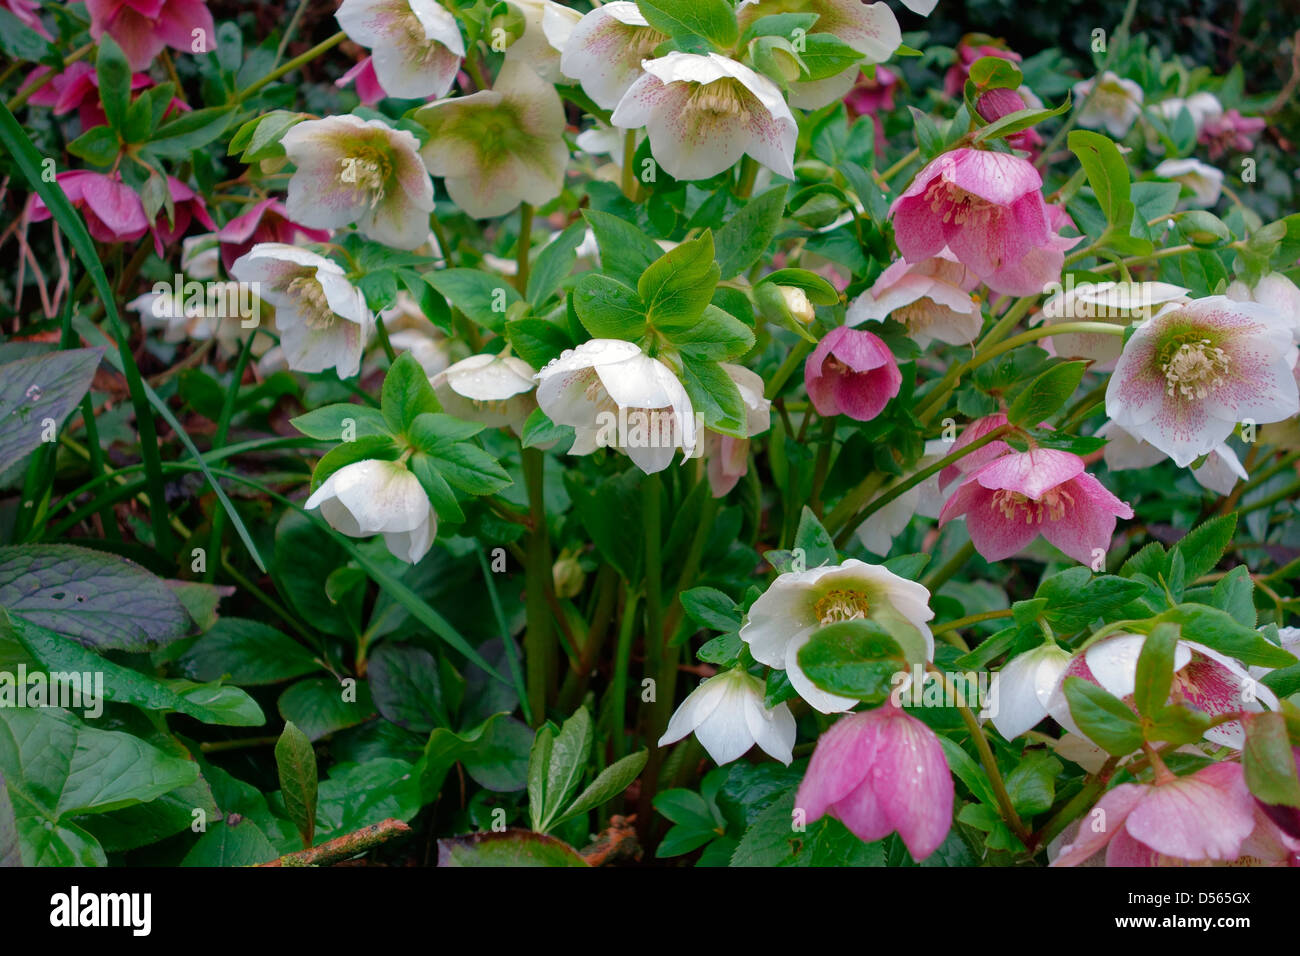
799,603
877,533
616,396
359,171
379,497
1200,107
870,28
933,298
727,715
547,26
493,390
322,317
1205,181
1113,103
497,148
410,331
415,45
1020,692
1275,291
1126,452
1191,373
1119,303
605,50
702,113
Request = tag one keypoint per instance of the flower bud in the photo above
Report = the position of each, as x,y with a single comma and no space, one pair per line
796,300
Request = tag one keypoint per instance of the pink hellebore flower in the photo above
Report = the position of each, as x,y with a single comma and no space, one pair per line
728,456
1191,373
112,210
1013,499
1205,817
851,373
267,221
143,27
1230,131
187,206
881,771
26,12
872,95
986,207
997,103
980,456
932,298
1203,679
416,44
369,90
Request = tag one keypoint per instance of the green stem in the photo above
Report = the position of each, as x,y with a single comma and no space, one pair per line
898,167
792,362
522,247
622,664
21,98
748,174
301,60
219,441
539,641
630,188
940,576
823,464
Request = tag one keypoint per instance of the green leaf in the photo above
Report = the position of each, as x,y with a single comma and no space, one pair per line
818,290
825,55
1269,761
814,541
484,298
537,341
295,762
98,146
715,396
1046,394
1103,717
569,754
342,422
540,430
853,659
379,447
58,655
554,263
470,468
608,309
114,77
1203,546
1155,670
21,42
407,686
1075,597
37,390
1032,784
406,394
679,284
1019,120
509,848
609,783
1107,173
625,251
994,72
1218,630
445,748
95,598
435,486
322,705
178,138
715,334
744,238
714,20
710,608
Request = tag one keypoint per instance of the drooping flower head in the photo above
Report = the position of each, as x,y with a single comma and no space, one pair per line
359,171
605,50
322,318
187,206
1230,131
112,209
416,44
1201,818
379,497
1191,373
616,396
1126,452
1020,692
853,373
143,27
494,390
878,531
1275,292
986,207
1015,498
878,772
1109,102
497,148
1204,181
727,455
980,456
702,113
727,716
932,298
798,603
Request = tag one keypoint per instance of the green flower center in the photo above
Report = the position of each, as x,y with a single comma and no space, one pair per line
1013,505
841,604
1193,368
